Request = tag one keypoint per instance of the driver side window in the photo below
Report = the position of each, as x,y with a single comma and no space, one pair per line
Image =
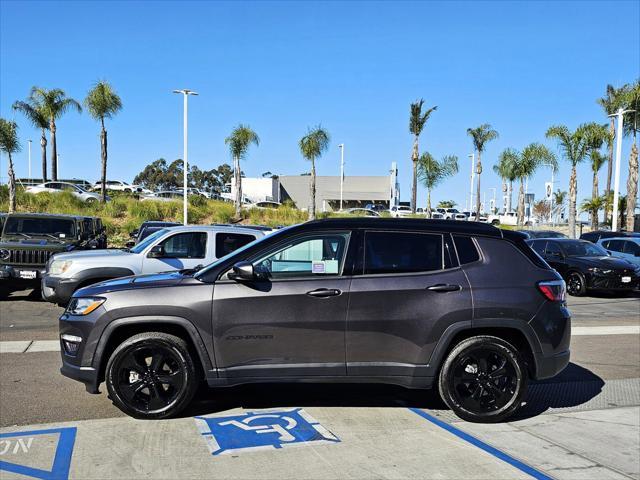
186,245
320,255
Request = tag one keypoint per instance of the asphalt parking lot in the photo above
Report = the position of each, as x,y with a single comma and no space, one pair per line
585,423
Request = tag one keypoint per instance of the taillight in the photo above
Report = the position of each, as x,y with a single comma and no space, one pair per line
553,290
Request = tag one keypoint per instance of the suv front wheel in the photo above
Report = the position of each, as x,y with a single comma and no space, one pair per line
151,375
483,379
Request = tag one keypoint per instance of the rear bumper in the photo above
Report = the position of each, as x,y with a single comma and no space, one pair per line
547,367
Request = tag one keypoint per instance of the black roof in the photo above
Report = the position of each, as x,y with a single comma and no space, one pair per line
453,226
45,215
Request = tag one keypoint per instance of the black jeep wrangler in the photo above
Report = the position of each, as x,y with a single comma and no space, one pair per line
27,242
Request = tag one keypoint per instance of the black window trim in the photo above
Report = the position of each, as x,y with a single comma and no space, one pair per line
361,274
475,244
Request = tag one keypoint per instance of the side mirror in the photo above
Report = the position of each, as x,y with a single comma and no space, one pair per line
133,233
130,244
242,271
157,251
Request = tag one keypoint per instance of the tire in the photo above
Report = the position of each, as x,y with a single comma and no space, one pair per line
90,200
464,382
136,368
576,284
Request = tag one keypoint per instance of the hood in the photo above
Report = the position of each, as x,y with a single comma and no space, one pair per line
35,243
606,262
133,283
98,255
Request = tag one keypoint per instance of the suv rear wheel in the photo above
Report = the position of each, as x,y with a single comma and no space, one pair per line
483,379
151,375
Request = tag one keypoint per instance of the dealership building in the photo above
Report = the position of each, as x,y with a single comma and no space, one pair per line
357,191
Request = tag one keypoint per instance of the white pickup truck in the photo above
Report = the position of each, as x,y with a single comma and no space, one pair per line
174,248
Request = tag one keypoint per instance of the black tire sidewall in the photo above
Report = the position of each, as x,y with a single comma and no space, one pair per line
445,382
171,342
583,282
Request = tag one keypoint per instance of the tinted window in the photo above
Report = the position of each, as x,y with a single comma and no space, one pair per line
228,242
186,245
399,252
538,246
614,245
467,251
632,248
320,255
584,249
553,250
148,241
37,226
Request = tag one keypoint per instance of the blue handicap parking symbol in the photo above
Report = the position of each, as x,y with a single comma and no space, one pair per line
21,448
262,430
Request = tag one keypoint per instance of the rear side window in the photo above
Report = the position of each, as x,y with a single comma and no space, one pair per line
467,251
402,252
631,248
538,246
229,242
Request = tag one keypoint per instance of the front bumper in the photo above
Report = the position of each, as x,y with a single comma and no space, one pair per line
58,290
25,273
86,375
614,281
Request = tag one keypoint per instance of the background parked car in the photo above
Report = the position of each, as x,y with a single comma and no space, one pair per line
362,212
169,249
117,186
264,204
57,187
164,196
627,248
543,234
146,229
598,234
400,211
95,232
585,266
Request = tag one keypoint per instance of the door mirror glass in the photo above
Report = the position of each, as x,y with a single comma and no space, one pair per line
242,271
157,251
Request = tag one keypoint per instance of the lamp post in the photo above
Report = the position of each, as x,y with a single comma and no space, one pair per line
472,156
616,186
185,93
341,147
29,143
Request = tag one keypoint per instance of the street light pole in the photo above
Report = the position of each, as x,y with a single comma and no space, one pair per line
185,163
341,147
29,142
472,156
616,186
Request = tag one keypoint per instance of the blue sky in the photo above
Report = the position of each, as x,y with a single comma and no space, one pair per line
352,67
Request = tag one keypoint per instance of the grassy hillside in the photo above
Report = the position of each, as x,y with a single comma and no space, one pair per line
125,213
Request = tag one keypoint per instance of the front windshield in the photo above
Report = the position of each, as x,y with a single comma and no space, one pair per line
30,226
147,241
583,249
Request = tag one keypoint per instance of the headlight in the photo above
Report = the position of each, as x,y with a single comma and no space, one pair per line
59,266
84,305
600,271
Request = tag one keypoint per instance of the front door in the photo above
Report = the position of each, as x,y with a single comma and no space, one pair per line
291,321
408,295
180,251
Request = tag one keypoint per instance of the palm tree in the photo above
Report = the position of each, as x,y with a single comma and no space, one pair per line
312,145
10,144
632,123
239,142
103,102
574,148
524,166
610,103
54,104
505,169
593,206
480,136
431,172
597,135
559,198
34,111
417,119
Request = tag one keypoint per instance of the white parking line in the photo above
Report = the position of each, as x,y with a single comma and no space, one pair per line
28,346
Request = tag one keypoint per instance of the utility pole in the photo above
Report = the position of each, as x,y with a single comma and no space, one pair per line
185,93
616,186
341,147
29,143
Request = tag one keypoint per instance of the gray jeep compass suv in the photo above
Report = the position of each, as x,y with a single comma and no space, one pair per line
460,306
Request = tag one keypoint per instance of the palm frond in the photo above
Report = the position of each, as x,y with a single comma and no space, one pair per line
9,142
482,135
431,171
417,118
102,101
314,143
240,139
33,111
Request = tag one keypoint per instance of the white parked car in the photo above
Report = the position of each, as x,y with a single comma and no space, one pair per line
174,248
194,191
117,186
362,212
267,204
57,187
165,196
400,211
627,248
437,216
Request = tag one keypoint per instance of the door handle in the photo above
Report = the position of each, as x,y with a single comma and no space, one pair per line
442,287
324,292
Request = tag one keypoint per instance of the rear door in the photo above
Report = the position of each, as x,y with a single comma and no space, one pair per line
409,292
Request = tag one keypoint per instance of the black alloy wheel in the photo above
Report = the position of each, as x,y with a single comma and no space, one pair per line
483,379
151,375
576,284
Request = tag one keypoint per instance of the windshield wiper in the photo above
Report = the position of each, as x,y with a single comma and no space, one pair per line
49,235
20,233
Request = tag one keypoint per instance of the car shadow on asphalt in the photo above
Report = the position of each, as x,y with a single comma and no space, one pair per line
571,388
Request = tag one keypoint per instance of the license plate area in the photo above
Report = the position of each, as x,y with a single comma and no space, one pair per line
625,279
28,274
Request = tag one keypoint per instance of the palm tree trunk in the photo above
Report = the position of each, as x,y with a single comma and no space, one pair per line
478,173
520,214
238,184
12,186
414,184
573,193
510,198
312,207
54,152
504,192
594,193
103,144
612,132
428,202
43,146
632,186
